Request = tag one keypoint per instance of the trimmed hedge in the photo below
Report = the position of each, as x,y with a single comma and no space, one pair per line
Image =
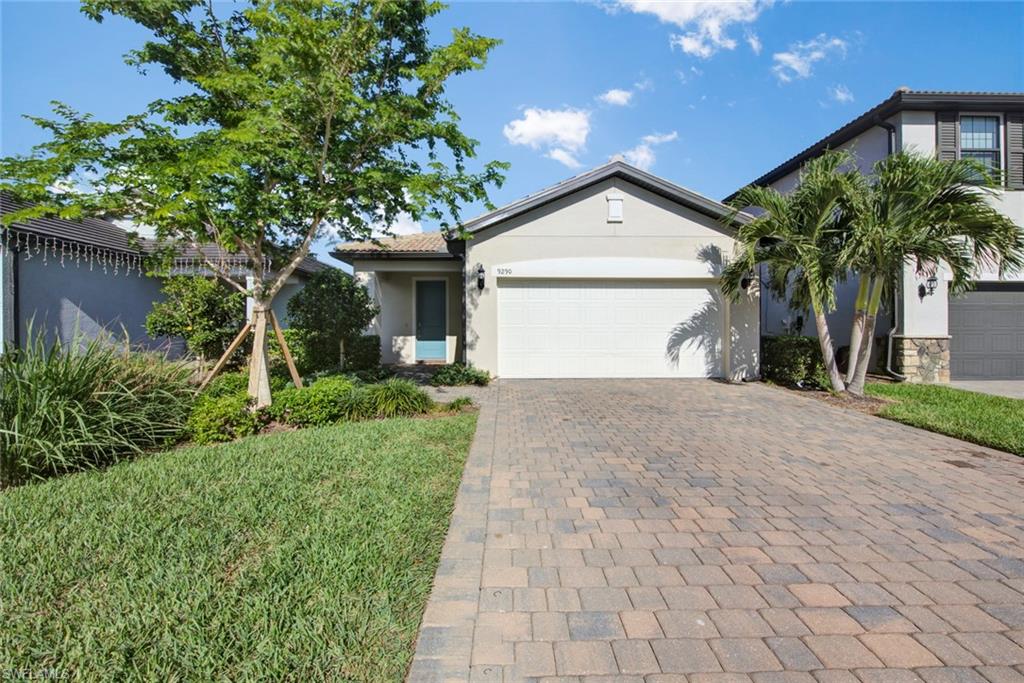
793,361
223,416
217,419
324,402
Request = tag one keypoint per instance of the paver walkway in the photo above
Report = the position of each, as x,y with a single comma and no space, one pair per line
664,530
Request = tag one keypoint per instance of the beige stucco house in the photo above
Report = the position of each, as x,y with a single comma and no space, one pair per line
612,273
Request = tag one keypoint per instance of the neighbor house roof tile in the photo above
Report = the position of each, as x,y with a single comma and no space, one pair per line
419,243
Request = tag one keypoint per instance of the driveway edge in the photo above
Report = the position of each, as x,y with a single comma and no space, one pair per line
445,642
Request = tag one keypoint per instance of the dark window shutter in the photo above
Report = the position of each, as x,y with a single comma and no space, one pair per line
1015,150
947,135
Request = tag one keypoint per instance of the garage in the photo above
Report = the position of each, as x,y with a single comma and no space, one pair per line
604,328
986,327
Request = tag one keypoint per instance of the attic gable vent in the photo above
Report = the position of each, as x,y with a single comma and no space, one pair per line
614,207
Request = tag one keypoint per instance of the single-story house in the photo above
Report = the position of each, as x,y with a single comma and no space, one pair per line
611,273
69,278
926,334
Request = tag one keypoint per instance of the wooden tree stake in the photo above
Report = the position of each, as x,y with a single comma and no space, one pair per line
227,355
284,349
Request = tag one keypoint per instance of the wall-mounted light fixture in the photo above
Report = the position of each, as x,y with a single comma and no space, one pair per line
929,287
480,273
746,281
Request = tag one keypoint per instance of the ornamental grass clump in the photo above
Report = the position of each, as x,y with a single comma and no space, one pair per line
85,404
396,397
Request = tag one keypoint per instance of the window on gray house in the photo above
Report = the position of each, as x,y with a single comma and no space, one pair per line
979,140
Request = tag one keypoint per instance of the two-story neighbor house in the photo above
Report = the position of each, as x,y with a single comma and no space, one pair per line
929,336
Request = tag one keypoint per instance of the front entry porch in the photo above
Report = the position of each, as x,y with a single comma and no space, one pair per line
420,319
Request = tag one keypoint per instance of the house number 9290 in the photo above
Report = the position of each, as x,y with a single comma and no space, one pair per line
504,271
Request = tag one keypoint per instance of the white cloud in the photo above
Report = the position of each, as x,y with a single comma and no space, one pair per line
403,224
642,156
659,138
754,42
704,22
616,97
840,93
562,156
799,60
565,128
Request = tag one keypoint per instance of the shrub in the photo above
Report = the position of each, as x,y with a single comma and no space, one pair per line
324,402
794,361
329,309
228,383
371,375
396,397
301,355
457,374
362,353
222,418
205,312
84,406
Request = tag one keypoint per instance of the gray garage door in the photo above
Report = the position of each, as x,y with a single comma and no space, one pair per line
987,329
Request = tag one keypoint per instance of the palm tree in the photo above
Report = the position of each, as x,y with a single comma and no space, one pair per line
923,212
800,237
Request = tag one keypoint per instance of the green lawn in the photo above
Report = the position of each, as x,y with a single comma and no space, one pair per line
993,421
304,555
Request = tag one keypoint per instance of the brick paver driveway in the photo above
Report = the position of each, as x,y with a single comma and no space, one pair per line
665,530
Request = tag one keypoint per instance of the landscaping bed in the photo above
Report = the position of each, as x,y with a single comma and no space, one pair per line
299,555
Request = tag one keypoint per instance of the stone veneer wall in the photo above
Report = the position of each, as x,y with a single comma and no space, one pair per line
924,360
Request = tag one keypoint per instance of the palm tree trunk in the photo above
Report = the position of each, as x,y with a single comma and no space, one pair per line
259,375
828,353
857,331
856,386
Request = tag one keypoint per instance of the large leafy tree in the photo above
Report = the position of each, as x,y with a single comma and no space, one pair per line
295,119
924,213
800,237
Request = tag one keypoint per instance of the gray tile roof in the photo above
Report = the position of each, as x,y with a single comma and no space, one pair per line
103,234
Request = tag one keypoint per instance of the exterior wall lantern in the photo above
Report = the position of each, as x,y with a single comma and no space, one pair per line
929,286
746,281
480,273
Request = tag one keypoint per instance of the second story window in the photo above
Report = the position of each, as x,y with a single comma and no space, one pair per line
979,140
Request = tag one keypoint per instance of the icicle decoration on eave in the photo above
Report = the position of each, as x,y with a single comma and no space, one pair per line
48,248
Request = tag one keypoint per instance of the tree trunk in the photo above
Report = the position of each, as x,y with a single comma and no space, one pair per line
856,386
857,331
828,353
259,376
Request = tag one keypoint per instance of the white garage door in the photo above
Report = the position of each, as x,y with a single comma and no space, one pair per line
555,328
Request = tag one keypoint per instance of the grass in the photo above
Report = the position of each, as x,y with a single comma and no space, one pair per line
303,555
993,421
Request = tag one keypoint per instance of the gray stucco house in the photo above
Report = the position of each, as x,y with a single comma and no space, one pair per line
84,277
611,273
930,336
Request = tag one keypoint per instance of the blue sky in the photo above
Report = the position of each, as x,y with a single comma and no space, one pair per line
707,95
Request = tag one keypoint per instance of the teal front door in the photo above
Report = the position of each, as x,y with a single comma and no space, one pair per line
430,320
